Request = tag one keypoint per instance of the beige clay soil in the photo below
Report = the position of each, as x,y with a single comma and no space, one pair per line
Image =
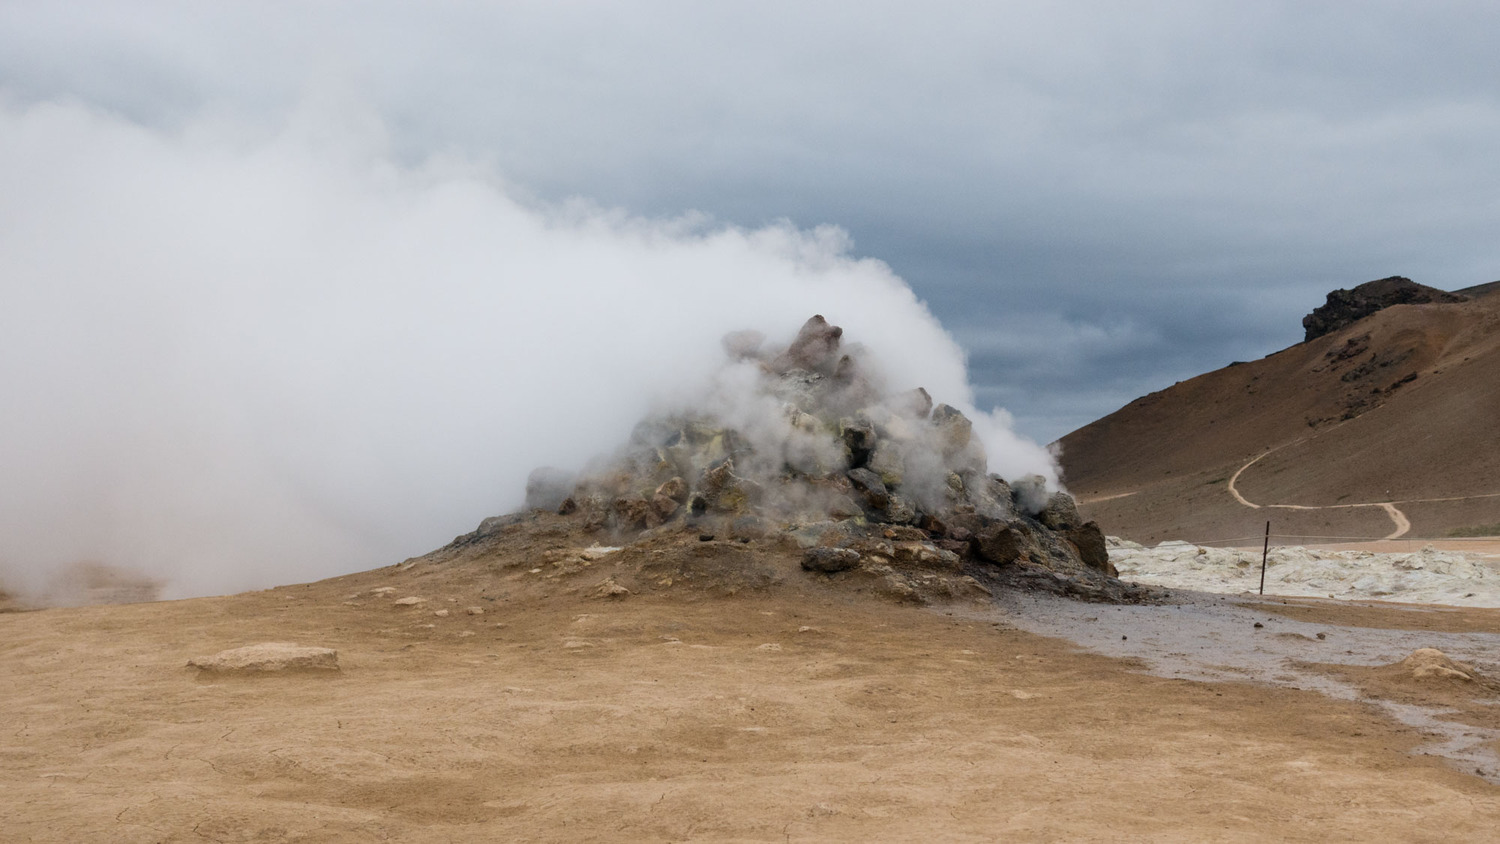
785,707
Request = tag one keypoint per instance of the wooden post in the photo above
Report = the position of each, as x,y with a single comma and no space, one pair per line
1265,552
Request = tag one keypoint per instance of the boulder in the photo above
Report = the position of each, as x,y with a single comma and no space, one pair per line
1004,543
899,511
829,560
675,489
632,513
1092,548
814,349
954,430
268,657
725,492
869,489
925,555
1061,512
888,461
860,439
843,507
991,496
664,506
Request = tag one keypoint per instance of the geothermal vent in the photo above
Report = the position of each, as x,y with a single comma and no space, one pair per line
803,444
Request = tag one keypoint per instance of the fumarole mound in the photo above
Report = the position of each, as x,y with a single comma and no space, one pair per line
801,448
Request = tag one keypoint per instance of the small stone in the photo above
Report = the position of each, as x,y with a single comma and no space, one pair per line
441,613
610,589
411,601
475,610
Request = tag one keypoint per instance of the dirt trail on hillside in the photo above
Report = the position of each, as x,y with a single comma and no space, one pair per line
1398,518
1379,429
794,712
1402,524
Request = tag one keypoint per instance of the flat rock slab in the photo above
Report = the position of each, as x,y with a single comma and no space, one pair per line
268,657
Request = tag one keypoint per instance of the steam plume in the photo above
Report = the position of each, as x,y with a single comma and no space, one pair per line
231,358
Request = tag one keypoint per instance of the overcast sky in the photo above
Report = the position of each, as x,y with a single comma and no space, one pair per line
1096,199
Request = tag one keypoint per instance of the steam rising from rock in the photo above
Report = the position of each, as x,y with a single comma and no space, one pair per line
803,443
233,357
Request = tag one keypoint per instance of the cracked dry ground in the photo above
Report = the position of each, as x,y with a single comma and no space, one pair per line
802,711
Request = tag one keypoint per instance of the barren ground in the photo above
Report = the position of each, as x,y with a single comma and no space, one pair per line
781,708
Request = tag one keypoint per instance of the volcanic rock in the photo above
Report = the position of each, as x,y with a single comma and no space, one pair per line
1093,551
829,560
859,438
664,506
633,513
674,488
814,348
1003,543
871,489
888,462
1060,513
954,429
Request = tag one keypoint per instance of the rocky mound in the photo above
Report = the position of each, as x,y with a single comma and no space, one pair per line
801,447
1345,307
1431,664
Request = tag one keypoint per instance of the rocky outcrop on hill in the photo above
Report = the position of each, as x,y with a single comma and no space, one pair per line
1348,306
801,445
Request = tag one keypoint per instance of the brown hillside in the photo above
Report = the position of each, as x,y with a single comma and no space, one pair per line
1393,418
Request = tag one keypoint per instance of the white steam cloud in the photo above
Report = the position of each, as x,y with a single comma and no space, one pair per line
231,358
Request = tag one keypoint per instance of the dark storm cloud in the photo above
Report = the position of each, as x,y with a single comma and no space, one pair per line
1098,199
